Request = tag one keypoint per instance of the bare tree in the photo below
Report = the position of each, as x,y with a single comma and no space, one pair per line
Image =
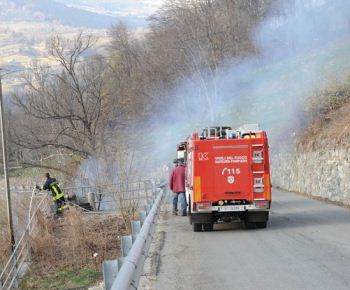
65,107
74,108
190,39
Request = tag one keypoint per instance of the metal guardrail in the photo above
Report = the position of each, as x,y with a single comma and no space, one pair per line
125,272
106,196
28,188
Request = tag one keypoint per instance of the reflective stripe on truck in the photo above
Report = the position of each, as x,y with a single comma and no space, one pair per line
267,187
197,189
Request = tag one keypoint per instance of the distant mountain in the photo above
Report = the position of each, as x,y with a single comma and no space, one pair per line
51,10
26,25
141,8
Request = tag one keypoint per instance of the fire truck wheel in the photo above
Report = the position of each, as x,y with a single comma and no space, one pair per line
189,210
260,225
197,227
249,225
208,227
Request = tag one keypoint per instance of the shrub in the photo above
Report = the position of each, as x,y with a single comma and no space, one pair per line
331,98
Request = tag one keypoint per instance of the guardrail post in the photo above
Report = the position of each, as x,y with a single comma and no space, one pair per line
154,187
155,192
91,199
120,263
126,245
15,271
147,208
110,272
135,229
142,215
129,274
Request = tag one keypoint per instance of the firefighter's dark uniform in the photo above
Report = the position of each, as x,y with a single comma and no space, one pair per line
58,196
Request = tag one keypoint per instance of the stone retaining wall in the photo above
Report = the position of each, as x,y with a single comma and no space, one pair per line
322,173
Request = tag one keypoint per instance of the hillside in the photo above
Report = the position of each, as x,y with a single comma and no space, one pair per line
285,86
22,45
319,164
25,26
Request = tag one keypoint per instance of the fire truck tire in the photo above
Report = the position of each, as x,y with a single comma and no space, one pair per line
249,225
208,227
260,225
189,209
197,227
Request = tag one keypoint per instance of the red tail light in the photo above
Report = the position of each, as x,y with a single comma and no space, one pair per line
262,203
203,205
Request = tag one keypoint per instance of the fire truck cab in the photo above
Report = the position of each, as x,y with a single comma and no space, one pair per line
227,176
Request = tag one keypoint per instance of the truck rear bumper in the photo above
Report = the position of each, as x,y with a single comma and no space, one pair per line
232,208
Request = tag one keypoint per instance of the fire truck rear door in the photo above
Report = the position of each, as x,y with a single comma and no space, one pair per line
232,172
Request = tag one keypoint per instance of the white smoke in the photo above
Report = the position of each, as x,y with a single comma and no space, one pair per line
302,47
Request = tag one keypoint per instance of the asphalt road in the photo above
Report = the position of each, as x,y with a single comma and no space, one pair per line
306,245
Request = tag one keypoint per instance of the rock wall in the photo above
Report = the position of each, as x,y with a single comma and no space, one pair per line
320,173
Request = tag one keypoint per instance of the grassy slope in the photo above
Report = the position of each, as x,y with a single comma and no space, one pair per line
273,95
64,279
72,263
327,131
277,93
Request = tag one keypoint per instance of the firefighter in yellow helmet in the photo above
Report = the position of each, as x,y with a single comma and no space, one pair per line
58,196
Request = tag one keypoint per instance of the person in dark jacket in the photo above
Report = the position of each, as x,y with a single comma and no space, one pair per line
51,184
177,186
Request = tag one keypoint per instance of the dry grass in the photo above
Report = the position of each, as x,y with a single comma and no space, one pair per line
328,130
68,244
328,109
71,242
5,245
128,203
20,209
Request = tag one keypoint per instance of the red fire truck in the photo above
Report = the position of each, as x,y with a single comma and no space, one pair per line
228,176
